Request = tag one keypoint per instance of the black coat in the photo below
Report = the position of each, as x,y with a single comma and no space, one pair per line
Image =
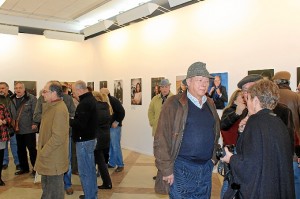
118,110
84,124
103,132
263,165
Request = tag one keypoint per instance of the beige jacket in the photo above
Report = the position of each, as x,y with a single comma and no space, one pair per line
53,143
154,111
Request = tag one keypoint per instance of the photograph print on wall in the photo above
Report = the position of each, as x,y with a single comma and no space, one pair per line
30,86
155,81
118,90
180,87
266,73
90,85
136,91
103,84
217,89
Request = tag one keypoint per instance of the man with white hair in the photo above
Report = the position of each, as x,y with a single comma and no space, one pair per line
84,128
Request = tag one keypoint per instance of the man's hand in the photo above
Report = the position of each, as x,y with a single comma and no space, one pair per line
114,124
169,179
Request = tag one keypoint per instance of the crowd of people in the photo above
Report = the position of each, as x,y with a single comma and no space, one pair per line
259,129
84,122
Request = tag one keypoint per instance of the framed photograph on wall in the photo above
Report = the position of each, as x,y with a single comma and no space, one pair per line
180,87
68,85
30,86
136,91
103,84
118,90
298,76
266,73
155,81
218,89
90,85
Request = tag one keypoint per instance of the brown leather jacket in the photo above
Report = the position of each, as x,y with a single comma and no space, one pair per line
292,100
170,131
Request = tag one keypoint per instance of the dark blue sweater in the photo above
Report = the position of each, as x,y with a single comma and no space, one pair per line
198,138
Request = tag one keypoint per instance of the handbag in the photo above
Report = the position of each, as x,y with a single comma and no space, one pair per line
15,123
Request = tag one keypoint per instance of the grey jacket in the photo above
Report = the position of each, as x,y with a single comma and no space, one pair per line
26,117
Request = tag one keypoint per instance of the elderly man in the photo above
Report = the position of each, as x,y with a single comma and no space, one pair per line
292,100
186,139
156,104
22,109
5,99
218,93
84,128
52,160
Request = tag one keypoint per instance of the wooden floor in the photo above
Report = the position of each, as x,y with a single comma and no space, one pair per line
135,182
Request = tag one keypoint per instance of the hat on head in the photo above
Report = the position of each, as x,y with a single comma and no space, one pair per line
282,75
249,78
197,69
164,82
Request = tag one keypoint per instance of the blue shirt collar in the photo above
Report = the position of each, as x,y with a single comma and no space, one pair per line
195,100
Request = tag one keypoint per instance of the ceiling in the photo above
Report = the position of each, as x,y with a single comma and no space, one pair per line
35,16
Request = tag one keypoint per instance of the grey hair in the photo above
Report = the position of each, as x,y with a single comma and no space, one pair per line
56,86
80,85
4,83
18,82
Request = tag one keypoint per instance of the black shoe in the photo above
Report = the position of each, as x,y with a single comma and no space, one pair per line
2,183
154,177
18,167
119,169
109,166
105,187
81,197
4,167
21,172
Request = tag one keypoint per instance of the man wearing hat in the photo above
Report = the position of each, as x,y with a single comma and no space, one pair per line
292,100
186,139
156,104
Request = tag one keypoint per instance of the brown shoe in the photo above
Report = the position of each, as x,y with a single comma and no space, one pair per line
119,169
69,191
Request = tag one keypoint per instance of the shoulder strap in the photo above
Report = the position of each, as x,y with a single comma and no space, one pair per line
21,109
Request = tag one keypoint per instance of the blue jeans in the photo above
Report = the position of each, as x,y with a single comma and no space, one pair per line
87,168
14,151
68,174
297,179
115,151
224,188
191,180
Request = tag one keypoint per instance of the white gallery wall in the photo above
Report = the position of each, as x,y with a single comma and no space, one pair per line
231,36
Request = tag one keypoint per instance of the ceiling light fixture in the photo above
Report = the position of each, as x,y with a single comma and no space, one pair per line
174,3
136,13
8,29
2,2
63,36
98,27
